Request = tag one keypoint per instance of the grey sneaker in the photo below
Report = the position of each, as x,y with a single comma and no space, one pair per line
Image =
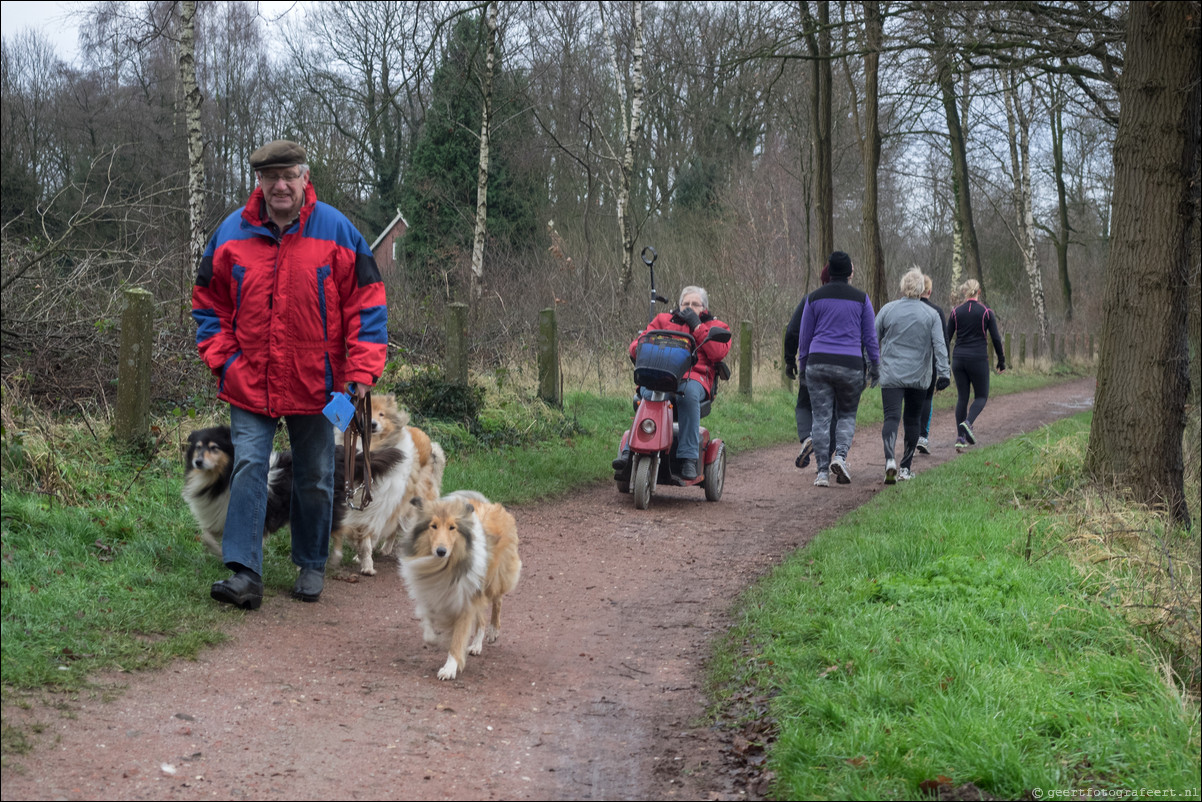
904,475
822,480
890,472
924,445
840,470
961,444
309,585
966,433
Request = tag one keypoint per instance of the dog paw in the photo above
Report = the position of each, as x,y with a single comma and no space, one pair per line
493,634
449,669
477,645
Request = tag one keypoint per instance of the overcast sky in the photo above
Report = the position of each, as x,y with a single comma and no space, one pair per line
52,19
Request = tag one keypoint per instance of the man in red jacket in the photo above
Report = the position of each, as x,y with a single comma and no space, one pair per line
289,307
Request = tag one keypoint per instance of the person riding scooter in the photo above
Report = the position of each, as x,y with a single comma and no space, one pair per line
691,316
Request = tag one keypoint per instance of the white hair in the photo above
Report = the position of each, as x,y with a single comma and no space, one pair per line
705,298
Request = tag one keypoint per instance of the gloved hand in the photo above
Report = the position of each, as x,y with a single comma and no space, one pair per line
873,374
1001,366
687,317
942,383
791,369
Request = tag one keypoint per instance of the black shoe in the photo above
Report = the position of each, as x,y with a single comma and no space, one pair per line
622,463
309,584
244,589
688,470
807,451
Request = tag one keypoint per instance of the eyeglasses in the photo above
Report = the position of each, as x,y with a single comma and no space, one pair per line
269,179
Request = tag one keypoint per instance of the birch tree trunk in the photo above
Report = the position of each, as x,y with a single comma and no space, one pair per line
196,168
1135,439
1020,171
632,131
477,280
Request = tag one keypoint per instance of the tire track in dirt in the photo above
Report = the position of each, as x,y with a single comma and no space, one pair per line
592,692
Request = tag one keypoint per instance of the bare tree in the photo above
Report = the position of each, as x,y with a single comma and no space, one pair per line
477,280
196,168
632,132
1019,128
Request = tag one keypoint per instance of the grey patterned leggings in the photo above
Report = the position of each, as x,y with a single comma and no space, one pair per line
834,391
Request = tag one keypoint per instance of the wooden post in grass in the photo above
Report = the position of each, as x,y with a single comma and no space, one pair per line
1022,348
1051,347
131,419
456,366
548,358
1009,353
745,358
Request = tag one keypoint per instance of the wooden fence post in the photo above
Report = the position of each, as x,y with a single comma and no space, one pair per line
1052,346
456,366
131,419
1022,348
1006,347
745,358
548,358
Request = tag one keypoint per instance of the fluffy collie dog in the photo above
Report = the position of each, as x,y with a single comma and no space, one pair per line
390,429
460,556
209,464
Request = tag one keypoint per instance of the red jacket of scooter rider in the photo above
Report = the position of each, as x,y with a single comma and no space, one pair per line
708,355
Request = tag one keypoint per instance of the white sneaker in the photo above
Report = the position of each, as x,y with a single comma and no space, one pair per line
840,470
924,445
904,475
890,472
822,480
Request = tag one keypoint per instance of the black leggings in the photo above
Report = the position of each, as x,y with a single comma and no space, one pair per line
974,372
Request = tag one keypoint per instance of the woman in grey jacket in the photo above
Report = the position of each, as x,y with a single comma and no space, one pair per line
910,336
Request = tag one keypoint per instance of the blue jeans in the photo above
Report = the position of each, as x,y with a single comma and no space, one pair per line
689,395
312,505
834,394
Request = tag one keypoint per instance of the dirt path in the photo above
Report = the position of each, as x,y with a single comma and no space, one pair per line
592,692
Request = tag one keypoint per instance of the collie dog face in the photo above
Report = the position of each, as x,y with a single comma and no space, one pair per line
210,451
460,555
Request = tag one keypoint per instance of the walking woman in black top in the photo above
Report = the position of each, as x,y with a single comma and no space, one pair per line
968,324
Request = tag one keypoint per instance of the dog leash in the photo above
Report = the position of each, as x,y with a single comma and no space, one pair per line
360,426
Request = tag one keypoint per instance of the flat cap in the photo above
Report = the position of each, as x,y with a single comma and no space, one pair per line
280,153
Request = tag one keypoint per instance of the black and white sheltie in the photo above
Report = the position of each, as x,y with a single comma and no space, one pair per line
209,463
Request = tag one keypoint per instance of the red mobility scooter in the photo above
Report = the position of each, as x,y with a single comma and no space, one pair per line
662,358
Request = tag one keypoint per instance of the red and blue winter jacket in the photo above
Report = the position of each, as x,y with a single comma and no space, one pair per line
285,321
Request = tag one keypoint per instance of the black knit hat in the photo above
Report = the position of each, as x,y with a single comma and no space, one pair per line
280,153
840,264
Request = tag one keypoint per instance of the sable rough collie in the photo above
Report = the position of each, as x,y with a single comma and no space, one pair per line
209,464
460,556
390,429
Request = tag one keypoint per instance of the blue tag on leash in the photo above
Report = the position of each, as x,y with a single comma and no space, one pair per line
340,410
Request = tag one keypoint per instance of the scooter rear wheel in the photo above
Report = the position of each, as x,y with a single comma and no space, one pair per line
644,481
715,475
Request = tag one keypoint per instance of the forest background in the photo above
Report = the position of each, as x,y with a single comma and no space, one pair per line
743,140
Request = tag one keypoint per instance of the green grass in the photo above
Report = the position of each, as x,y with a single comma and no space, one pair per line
914,641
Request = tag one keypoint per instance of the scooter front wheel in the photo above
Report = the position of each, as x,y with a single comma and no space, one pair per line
643,482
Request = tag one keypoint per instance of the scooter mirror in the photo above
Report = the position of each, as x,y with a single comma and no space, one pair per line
719,335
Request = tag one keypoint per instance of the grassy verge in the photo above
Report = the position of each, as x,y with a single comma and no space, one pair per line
103,569
917,643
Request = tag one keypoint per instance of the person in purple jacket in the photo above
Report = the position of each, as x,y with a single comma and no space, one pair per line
837,331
